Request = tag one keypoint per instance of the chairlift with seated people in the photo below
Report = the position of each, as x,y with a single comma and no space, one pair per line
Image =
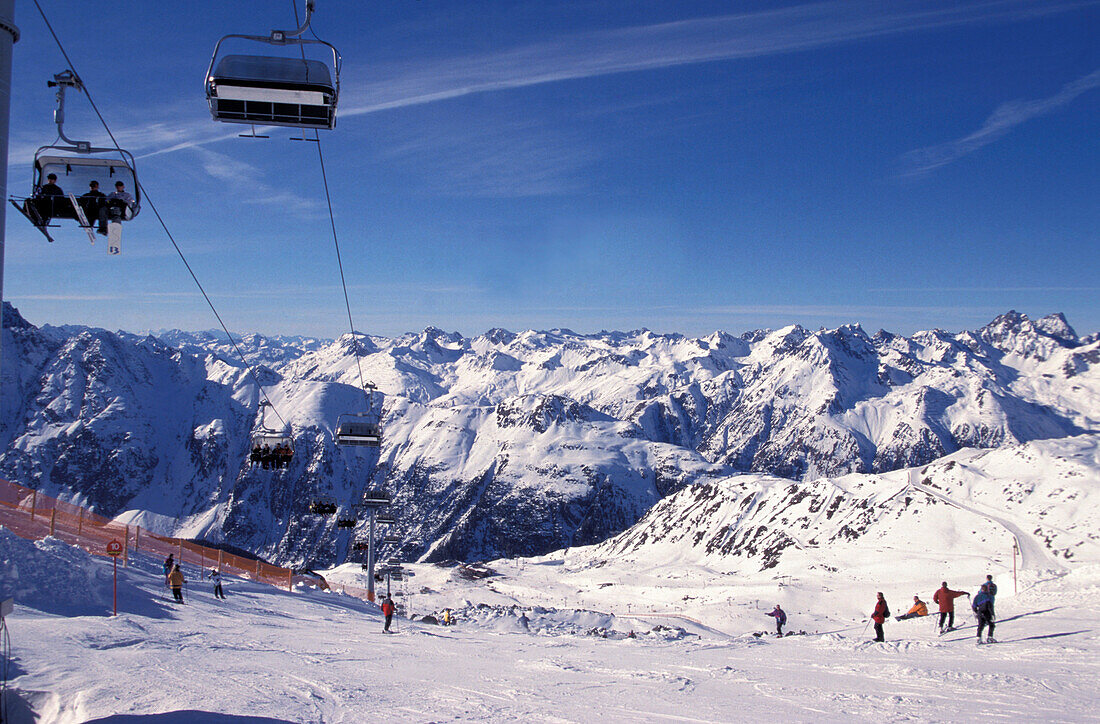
275,90
323,506
346,518
272,448
61,171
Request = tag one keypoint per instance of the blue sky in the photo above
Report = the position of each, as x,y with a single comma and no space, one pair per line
684,167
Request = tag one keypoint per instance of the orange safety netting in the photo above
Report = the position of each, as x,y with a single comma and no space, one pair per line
30,514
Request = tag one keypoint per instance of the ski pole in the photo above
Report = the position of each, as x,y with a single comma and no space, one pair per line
865,627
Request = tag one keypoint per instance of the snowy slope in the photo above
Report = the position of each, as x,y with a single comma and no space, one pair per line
511,443
265,655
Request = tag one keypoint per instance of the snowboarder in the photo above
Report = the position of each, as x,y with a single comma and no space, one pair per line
919,609
175,580
216,577
387,610
780,617
879,616
983,609
524,621
945,597
168,563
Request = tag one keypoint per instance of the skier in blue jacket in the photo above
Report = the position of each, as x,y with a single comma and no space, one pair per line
983,609
780,617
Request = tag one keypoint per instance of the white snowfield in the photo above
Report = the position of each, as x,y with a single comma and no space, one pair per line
544,640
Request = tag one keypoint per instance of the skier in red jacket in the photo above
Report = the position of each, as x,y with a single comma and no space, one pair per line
387,610
945,597
882,612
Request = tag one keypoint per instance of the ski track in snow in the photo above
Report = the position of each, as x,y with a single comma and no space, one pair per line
312,656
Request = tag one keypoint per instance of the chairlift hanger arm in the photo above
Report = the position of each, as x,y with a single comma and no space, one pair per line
62,81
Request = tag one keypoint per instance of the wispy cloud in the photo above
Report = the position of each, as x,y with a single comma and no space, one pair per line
232,171
621,50
664,45
1006,117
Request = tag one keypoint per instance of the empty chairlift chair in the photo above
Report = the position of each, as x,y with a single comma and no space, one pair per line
275,90
359,430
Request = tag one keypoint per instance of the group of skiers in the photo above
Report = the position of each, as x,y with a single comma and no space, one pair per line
981,604
173,579
49,201
271,458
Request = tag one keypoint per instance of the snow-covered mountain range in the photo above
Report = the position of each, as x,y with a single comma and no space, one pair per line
505,443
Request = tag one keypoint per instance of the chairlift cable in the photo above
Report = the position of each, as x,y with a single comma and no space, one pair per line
163,225
336,243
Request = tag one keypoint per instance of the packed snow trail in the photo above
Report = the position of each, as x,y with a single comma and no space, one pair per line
1033,554
311,656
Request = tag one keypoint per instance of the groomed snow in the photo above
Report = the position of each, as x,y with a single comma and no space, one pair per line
311,656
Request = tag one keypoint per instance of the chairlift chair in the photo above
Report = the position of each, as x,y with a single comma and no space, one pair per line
76,164
362,429
375,499
275,90
385,519
271,436
346,518
391,539
322,506
360,545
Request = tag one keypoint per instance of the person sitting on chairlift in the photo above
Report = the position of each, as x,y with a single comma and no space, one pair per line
119,202
266,458
45,196
92,201
254,457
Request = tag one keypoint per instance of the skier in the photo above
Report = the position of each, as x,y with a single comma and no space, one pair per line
983,609
448,619
175,580
780,617
881,613
387,610
216,577
168,563
45,198
945,597
92,201
992,590
919,609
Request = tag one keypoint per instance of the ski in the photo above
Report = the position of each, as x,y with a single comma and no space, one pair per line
82,219
32,216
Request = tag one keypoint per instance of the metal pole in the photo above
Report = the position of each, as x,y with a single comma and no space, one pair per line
1015,548
370,557
9,34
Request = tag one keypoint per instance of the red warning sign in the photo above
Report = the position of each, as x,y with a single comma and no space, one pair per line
114,548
